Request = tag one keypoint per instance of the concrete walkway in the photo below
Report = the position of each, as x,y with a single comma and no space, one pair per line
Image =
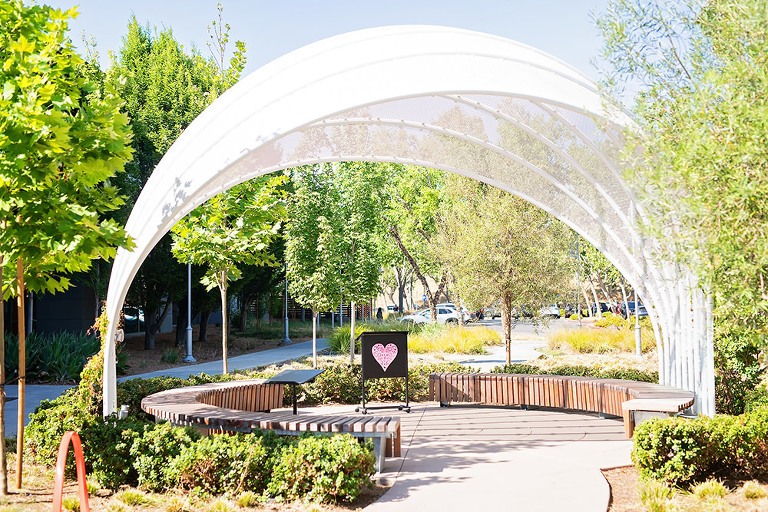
475,458
37,393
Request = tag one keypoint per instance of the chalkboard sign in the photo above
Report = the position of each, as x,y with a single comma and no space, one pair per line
385,355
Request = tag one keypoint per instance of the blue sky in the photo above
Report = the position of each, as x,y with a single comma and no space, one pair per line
563,28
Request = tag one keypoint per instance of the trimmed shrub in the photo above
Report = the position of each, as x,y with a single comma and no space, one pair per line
106,448
325,469
341,384
685,452
581,371
152,452
222,463
51,420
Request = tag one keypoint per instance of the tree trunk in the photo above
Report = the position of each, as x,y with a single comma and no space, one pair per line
224,323
624,295
459,312
352,335
314,338
431,299
598,312
3,459
152,324
604,289
586,299
244,305
203,334
506,324
149,331
21,376
181,324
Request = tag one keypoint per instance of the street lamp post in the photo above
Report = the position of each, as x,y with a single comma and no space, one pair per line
188,358
286,340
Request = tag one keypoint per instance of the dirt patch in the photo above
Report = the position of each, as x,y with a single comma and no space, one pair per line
37,496
624,493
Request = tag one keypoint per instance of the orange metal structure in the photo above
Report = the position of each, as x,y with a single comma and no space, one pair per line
61,461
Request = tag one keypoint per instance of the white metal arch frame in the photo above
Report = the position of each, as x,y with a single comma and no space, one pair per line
471,103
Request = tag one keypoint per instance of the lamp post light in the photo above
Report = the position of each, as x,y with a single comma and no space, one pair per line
188,358
286,340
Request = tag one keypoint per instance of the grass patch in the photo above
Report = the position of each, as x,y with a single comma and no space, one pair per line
276,331
133,498
753,491
600,341
711,490
452,340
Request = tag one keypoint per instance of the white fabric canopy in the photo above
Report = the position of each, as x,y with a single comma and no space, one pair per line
466,102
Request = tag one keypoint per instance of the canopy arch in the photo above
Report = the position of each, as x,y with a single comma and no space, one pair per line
466,102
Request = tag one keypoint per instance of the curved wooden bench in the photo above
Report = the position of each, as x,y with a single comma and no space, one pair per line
633,401
244,405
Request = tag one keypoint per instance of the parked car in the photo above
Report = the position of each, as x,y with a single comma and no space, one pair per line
492,312
628,309
604,308
522,311
444,315
133,320
551,311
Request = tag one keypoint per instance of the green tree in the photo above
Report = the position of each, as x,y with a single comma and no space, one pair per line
165,88
234,228
333,233
410,217
62,138
313,242
696,75
501,248
699,72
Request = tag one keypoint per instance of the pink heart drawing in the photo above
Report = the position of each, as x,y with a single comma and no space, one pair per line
384,355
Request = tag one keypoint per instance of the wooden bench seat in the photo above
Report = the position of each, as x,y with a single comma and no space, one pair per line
633,401
244,405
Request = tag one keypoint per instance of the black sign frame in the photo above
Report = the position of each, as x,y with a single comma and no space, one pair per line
384,355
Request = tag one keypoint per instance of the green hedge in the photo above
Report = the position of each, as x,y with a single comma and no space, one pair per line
684,452
581,371
340,384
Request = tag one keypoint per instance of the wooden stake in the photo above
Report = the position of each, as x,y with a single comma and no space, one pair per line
22,373
3,460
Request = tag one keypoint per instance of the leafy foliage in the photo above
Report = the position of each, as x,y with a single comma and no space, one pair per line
684,452
165,88
581,371
700,71
328,469
152,452
501,248
62,137
221,464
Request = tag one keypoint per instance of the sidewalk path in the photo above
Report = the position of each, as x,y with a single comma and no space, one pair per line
36,393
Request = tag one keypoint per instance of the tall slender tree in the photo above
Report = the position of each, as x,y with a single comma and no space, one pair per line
232,229
62,138
165,88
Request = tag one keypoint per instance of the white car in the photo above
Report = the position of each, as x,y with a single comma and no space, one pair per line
444,315
552,311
